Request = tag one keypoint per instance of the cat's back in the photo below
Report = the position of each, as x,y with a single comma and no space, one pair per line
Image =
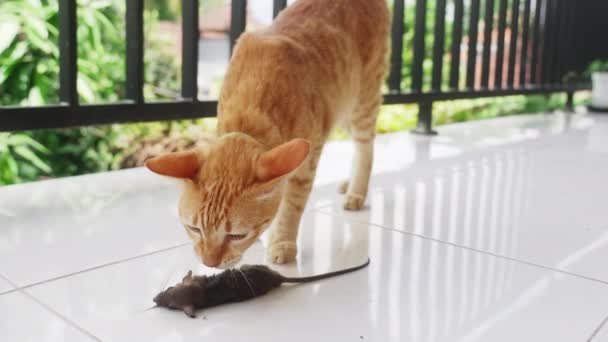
329,35
343,13
365,22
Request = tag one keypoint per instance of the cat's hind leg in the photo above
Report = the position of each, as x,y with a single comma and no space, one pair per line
363,131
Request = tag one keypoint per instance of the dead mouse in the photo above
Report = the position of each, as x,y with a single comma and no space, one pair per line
230,286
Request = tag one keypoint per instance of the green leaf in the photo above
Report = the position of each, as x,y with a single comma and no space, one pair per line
19,51
85,90
38,26
28,155
24,140
34,98
12,166
9,30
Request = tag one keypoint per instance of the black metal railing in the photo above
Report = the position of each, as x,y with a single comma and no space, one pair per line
539,52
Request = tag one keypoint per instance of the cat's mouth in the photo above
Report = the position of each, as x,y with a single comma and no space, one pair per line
230,263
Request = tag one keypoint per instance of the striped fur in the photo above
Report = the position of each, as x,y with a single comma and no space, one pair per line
321,63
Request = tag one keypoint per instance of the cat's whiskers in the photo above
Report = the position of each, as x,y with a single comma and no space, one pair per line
166,281
247,281
233,277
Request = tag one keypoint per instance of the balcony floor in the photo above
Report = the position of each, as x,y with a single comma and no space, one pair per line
491,231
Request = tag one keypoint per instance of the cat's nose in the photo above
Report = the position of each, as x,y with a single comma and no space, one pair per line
212,262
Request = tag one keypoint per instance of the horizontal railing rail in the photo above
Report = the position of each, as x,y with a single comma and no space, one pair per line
496,48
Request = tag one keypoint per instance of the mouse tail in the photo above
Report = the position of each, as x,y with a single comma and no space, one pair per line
294,280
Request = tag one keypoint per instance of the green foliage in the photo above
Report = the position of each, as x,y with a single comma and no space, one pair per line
29,76
77,151
19,159
171,9
597,66
408,44
167,9
29,56
404,117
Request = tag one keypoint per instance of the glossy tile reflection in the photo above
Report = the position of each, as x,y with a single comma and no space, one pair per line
541,200
22,319
63,226
466,232
415,290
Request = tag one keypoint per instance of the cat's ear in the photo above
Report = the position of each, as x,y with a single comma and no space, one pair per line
177,164
282,159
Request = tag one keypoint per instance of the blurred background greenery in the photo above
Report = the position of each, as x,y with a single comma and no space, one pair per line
29,77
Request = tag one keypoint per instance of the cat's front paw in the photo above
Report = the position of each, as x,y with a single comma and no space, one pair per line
282,252
354,202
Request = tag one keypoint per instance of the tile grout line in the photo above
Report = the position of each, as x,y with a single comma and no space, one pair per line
58,314
598,329
49,309
112,263
529,263
10,290
23,289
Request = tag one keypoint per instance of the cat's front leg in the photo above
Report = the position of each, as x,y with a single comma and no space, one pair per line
284,234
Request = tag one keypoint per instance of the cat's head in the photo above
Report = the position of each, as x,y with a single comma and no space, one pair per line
232,191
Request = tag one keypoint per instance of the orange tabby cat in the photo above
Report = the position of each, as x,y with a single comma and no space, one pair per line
322,62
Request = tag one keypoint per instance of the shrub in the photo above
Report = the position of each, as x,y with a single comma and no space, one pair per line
597,66
18,158
29,74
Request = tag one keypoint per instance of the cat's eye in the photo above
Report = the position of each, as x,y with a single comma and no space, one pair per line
193,229
236,237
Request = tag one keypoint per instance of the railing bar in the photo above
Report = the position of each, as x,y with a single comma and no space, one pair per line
439,42
558,26
456,42
29,118
567,47
525,41
398,30
487,43
513,43
278,6
190,39
419,45
135,50
546,55
500,45
467,94
472,55
536,42
61,116
68,65
238,21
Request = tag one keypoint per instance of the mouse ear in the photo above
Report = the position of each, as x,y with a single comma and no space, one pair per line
189,310
188,277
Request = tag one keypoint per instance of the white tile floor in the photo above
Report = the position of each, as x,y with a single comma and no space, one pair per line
5,286
492,231
602,334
